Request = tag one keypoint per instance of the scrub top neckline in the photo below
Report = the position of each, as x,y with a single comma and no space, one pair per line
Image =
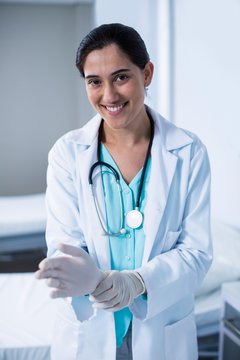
110,159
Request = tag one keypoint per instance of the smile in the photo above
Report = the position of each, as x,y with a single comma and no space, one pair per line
115,108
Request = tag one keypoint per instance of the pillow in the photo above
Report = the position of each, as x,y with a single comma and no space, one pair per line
226,257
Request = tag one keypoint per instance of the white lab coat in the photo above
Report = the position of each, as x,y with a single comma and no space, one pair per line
177,251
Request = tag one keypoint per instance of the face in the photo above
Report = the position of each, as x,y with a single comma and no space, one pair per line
115,86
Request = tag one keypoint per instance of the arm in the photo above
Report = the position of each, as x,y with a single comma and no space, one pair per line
177,273
69,269
63,215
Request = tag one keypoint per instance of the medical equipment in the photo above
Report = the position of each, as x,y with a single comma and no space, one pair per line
134,218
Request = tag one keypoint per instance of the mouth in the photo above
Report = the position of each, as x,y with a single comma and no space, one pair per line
116,109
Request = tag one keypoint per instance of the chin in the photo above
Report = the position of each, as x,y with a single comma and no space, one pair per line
117,123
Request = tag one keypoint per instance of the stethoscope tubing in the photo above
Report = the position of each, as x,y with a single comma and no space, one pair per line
105,231
117,178
102,163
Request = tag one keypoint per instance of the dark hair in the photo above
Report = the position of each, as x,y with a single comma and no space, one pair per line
125,37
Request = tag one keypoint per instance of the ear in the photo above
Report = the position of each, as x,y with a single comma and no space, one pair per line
148,73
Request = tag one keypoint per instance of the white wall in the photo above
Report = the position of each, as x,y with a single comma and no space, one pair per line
207,91
41,96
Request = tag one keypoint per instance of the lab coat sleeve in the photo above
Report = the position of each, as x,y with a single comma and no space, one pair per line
63,215
177,273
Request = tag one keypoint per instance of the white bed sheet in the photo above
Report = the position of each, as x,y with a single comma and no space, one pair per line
22,214
207,313
27,316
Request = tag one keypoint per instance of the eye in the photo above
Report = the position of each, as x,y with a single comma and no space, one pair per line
94,82
121,77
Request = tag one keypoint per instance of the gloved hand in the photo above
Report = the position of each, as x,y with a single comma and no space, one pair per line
73,274
117,290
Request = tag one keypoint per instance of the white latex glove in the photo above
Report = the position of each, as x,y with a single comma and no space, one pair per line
117,290
73,274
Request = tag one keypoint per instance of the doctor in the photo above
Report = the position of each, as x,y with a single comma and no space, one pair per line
128,222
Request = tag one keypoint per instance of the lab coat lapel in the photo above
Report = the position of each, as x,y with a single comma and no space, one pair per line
99,242
159,187
167,139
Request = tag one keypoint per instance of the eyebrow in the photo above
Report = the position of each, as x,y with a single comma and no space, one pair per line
113,73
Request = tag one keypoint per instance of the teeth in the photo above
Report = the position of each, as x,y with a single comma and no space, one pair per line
114,108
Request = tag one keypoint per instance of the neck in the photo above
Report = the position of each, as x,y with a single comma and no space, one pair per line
128,137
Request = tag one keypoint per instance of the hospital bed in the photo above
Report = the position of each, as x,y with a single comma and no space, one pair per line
22,232
26,311
225,268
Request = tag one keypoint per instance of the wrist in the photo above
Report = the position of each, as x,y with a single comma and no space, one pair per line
142,282
101,276
138,280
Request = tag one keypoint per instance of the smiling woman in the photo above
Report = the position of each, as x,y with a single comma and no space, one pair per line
116,90
128,195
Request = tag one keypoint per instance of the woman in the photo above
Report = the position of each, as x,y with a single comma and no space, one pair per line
128,228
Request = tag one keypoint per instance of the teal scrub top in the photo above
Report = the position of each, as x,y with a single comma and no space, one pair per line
126,250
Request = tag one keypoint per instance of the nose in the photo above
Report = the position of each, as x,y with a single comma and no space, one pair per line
110,94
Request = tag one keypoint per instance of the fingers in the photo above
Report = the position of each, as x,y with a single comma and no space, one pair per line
52,267
44,264
111,294
111,305
55,283
54,294
52,273
53,279
50,263
103,286
104,296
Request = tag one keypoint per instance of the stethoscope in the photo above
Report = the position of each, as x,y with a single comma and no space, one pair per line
134,218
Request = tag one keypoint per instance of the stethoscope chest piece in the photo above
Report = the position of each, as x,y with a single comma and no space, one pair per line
134,219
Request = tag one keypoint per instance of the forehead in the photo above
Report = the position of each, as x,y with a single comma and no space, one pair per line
106,60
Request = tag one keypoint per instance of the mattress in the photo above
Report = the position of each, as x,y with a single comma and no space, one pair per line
22,223
207,313
27,316
22,215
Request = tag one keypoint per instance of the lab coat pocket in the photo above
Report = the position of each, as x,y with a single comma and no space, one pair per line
74,339
171,240
180,339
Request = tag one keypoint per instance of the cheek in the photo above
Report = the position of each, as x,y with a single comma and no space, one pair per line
138,93
92,98
127,93
137,89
